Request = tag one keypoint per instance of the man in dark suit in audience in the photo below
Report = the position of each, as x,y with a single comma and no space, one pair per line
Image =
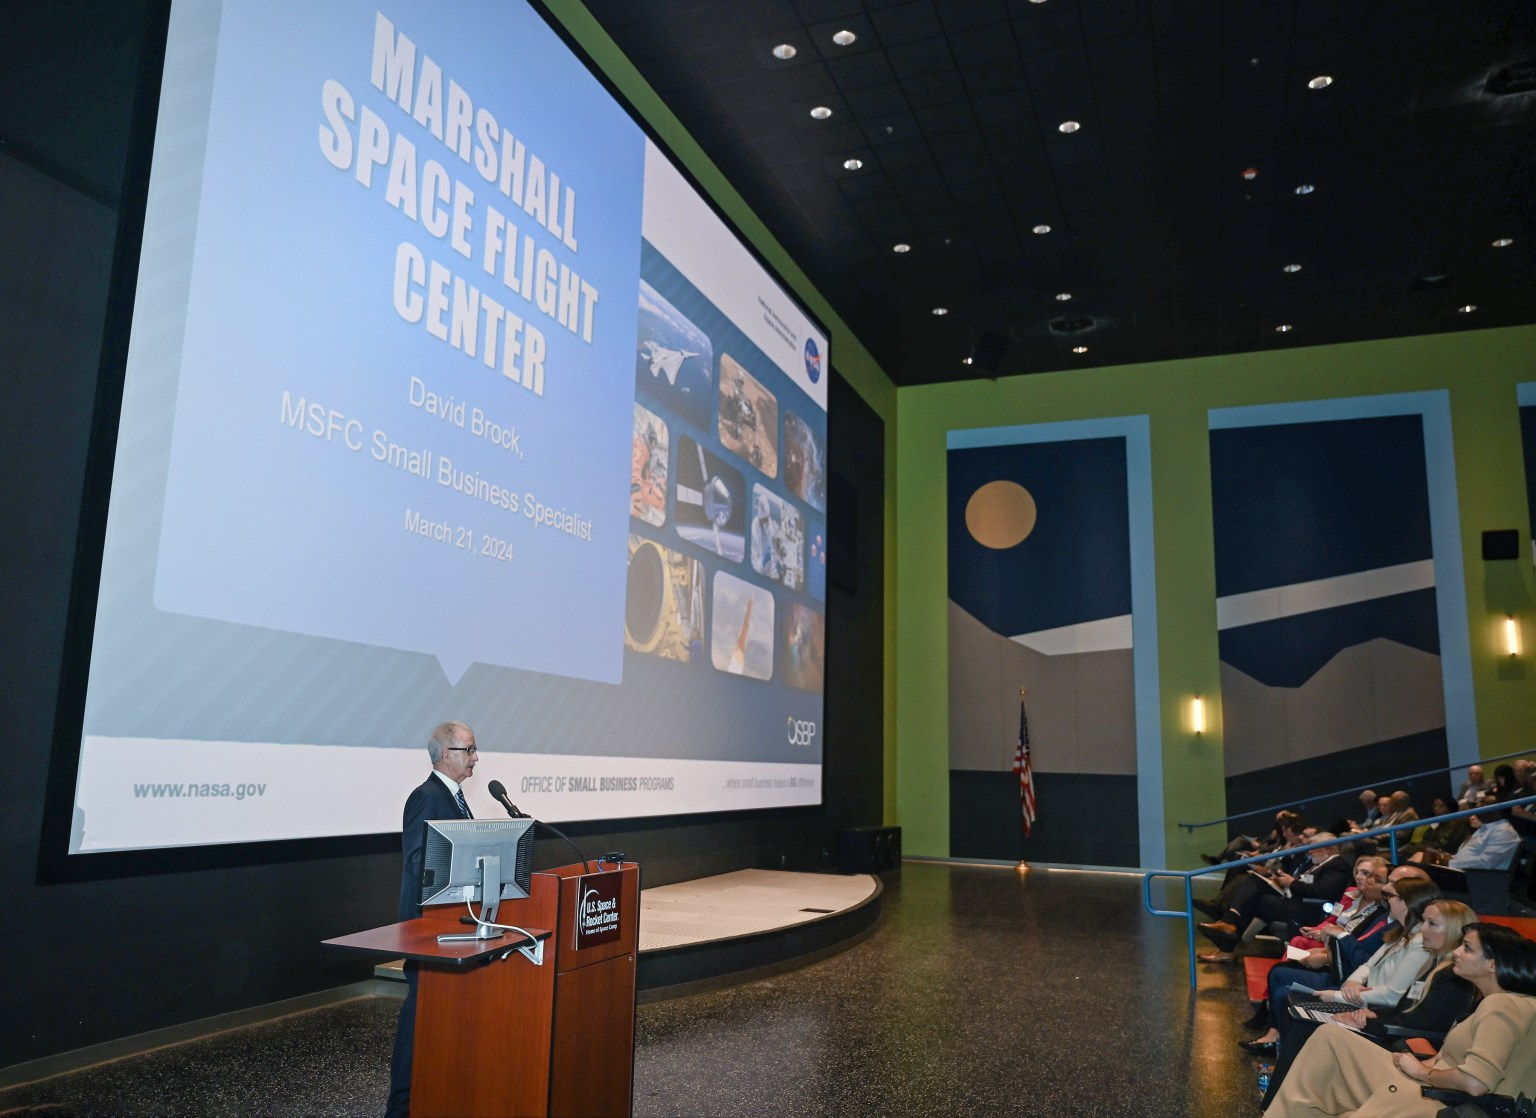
1283,897
440,796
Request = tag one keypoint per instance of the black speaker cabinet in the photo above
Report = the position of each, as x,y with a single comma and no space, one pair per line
1504,543
869,850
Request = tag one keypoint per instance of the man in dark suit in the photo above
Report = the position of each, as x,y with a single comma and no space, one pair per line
440,796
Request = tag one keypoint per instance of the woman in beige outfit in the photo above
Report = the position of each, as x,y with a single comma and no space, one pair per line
1339,1072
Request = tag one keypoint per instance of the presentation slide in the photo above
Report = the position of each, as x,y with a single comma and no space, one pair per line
413,286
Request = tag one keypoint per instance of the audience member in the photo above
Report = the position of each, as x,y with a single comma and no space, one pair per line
1341,1072
1433,1004
1371,803
1473,788
1399,810
1493,844
1383,980
1262,894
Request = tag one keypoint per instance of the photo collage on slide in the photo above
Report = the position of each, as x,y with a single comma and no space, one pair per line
727,551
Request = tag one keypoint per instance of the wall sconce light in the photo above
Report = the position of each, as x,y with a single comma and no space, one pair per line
1511,636
1197,715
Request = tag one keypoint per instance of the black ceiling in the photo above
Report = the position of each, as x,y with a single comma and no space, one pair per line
1166,249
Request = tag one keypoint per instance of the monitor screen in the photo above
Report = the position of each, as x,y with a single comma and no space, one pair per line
454,848
412,282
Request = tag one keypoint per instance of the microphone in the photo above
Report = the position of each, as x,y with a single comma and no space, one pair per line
499,792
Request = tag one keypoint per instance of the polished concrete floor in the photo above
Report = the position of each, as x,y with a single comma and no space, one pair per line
982,993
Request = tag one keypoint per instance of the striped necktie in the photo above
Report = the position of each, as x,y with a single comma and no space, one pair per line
463,805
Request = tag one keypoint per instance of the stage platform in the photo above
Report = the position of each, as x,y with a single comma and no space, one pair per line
717,931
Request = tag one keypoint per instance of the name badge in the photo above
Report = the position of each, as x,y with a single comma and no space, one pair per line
1306,877
1416,991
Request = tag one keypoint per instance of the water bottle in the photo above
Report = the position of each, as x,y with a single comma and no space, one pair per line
1264,1073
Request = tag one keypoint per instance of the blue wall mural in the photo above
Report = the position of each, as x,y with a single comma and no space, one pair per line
1327,609
1050,610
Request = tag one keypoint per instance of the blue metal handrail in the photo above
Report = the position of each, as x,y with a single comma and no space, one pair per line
1189,876
1192,827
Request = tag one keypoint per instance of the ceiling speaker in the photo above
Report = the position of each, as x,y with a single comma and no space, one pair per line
989,352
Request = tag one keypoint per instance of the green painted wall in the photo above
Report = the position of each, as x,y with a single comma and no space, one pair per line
1480,369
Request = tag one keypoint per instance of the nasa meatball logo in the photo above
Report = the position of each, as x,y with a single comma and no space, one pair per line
812,360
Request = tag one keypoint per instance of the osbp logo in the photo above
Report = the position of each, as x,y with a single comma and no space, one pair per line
812,361
801,733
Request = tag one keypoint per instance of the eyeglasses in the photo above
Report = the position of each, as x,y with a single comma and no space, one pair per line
462,749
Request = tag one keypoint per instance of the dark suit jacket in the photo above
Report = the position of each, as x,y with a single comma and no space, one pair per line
429,800
1328,883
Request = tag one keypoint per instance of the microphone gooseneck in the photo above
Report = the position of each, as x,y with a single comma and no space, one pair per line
498,791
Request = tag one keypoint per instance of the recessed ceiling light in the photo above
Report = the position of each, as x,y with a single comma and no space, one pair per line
1284,328
784,52
844,38
821,112
901,248
1322,81
1042,228
1079,349
965,360
1063,296
1503,242
1291,268
1068,126
852,164
1250,173
1468,309
1305,188
941,311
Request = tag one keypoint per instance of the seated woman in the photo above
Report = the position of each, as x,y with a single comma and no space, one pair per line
1370,874
1432,1004
1439,840
1358,938
1341,1073
1381,981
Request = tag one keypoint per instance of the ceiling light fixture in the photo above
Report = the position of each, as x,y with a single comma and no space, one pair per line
1284,328
1250,173
1079,349
852,164
1503,242
1468,309
844,38
1042,228
1291,268
941,311
784,52
1063,296
1068,126
821,112
900,247
1305,188
965,360
1322,81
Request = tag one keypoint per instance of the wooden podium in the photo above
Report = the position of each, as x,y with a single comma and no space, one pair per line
497,1034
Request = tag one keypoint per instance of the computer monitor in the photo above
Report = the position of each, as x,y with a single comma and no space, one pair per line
461,856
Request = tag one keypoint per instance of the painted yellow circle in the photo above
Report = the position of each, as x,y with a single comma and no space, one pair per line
1001,514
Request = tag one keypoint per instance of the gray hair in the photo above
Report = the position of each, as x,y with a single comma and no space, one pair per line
446,735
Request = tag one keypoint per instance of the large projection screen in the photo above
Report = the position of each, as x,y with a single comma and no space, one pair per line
413,286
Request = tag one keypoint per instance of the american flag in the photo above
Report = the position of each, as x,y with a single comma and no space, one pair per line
1025,772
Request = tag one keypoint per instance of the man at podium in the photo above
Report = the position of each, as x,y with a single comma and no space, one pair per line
440,796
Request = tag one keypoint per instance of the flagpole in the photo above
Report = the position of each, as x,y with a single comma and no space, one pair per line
1023,867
